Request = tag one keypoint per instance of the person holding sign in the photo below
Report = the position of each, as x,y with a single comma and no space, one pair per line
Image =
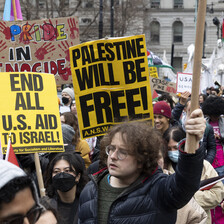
132,188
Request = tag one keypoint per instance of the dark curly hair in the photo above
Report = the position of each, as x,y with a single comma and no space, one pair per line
143,141
76,162
71,119
213,106
8,191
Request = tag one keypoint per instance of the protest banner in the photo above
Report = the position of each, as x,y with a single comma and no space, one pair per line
111,83
184,82
29,111
163,85
39,46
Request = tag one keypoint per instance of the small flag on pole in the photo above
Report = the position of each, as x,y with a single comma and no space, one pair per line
10,155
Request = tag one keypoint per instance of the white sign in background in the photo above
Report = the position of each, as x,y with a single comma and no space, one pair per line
184,82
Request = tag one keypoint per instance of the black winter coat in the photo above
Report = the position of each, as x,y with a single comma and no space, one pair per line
154,199
209,143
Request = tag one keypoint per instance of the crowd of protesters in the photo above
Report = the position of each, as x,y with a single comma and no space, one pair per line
137,173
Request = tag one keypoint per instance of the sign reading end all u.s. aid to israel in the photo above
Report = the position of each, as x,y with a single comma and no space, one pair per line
111,83
29,111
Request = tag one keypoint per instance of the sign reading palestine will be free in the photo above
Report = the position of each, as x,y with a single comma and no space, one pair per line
111,83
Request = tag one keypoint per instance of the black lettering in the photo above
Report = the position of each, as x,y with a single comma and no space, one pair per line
5,135
84,78
86,109
39,122
20,119
102,76
117,45
47,137
20,102
111,55
26,82
131,49
102,102
85,55
129,73
38,82
96,75
92,52
75,56
29,106
117,106
33,136
26,137
52,121
131,104
13,82
139,70
7,122
111,75
139,47
101,51
38,107
20,52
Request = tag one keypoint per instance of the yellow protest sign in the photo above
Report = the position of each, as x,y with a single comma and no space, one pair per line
153,72
29,111
111,83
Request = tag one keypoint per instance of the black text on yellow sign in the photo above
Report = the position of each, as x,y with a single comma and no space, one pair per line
111,83
31,114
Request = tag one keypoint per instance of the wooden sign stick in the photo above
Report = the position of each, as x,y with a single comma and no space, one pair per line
191,143
39,174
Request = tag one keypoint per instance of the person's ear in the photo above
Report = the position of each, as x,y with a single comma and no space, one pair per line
78,177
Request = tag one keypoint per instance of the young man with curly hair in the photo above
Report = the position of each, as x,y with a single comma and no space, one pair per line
132,188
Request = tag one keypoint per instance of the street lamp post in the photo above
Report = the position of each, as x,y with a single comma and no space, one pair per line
111,18
101,20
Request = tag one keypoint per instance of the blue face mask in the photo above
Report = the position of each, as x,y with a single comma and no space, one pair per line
173,155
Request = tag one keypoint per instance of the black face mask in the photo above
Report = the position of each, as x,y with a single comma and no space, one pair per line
64,181
65,100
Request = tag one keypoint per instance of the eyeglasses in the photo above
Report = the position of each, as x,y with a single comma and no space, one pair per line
32,215
121,154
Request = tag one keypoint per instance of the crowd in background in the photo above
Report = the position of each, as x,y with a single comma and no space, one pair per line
66,174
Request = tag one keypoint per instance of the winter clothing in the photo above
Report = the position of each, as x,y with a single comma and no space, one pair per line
68,133
191,213
152,199
84,149
162,108
69,91
9,171
209,143
207,199
67,212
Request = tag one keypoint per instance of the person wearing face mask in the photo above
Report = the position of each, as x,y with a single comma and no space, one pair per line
64,180
67,97
207,199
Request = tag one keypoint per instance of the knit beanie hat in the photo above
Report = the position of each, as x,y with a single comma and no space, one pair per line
162,108
9,171
68,133
70,92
